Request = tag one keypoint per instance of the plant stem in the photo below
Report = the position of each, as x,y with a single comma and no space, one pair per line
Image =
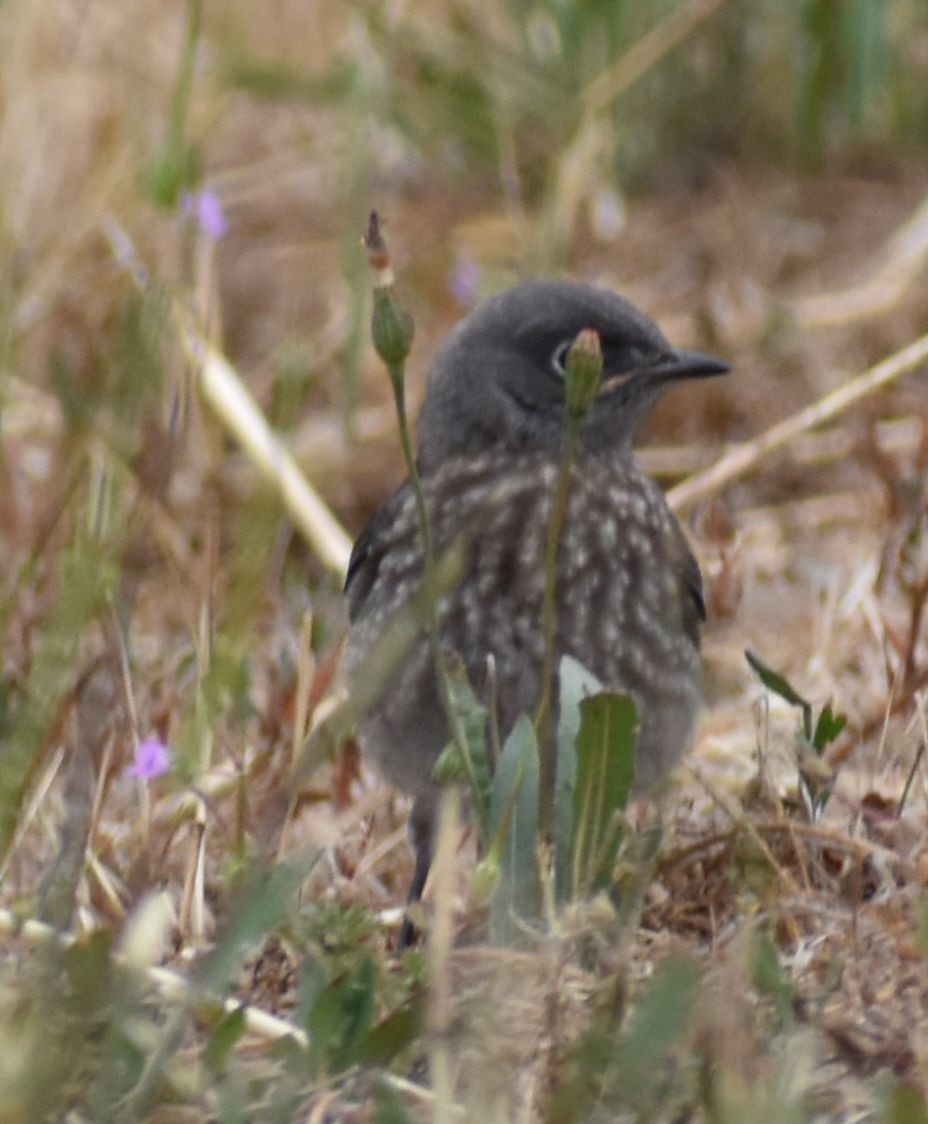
398,382
544,727
581,385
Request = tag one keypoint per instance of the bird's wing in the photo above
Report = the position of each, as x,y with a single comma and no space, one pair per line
368,551
694,605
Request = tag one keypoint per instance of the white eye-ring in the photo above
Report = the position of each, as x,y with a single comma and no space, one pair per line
559,357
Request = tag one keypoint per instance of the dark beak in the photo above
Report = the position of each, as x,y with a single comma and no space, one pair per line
687,365
675,367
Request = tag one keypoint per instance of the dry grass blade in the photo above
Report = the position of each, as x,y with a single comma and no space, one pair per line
646,53
170,985
576,168
440,1008
227,395
893,437
905,258
743,458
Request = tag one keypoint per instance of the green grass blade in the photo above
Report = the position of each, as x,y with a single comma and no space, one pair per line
576,684
514,827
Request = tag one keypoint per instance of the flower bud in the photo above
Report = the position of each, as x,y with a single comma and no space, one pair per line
391,328
584,370
485,879
449,768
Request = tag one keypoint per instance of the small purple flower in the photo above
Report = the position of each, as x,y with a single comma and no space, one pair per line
205,208
152,758
465,280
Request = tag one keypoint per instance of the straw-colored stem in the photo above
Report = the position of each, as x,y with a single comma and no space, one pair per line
741,459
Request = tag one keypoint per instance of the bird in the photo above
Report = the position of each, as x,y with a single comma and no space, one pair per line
629,598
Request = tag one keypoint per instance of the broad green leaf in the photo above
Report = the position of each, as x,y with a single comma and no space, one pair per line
576,684
605,772
513,830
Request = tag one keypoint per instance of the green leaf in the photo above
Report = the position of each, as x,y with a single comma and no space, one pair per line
340,1020
778,683
225,1036
614,1070
394,1033
662,1015
265,903
449,768
605,773
513,829
645,1051
774,680
828,727
576,684
89,970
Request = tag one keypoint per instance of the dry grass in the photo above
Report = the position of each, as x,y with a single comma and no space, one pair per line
152,583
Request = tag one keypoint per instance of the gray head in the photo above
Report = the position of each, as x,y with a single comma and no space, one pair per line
498,381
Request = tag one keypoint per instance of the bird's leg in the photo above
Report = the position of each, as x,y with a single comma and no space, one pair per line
422,834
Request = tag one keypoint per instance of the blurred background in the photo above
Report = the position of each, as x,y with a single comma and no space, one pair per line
712,159
752,175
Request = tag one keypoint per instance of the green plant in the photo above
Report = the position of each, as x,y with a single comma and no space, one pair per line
813,736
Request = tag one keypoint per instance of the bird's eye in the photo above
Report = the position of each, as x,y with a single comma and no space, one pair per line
559,357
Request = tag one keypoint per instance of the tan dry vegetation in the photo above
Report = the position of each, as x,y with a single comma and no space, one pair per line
805,555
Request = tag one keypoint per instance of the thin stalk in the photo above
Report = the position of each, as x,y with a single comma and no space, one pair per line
398,382
581,385
392,330
183,86
544,727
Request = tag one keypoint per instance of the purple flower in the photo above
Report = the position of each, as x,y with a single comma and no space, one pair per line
205,208
152,758
465,280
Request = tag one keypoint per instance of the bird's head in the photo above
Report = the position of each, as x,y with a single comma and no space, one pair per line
498,381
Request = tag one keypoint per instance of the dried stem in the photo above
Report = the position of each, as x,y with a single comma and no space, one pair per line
743,458
223,388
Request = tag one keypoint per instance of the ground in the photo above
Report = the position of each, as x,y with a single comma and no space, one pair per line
768,957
